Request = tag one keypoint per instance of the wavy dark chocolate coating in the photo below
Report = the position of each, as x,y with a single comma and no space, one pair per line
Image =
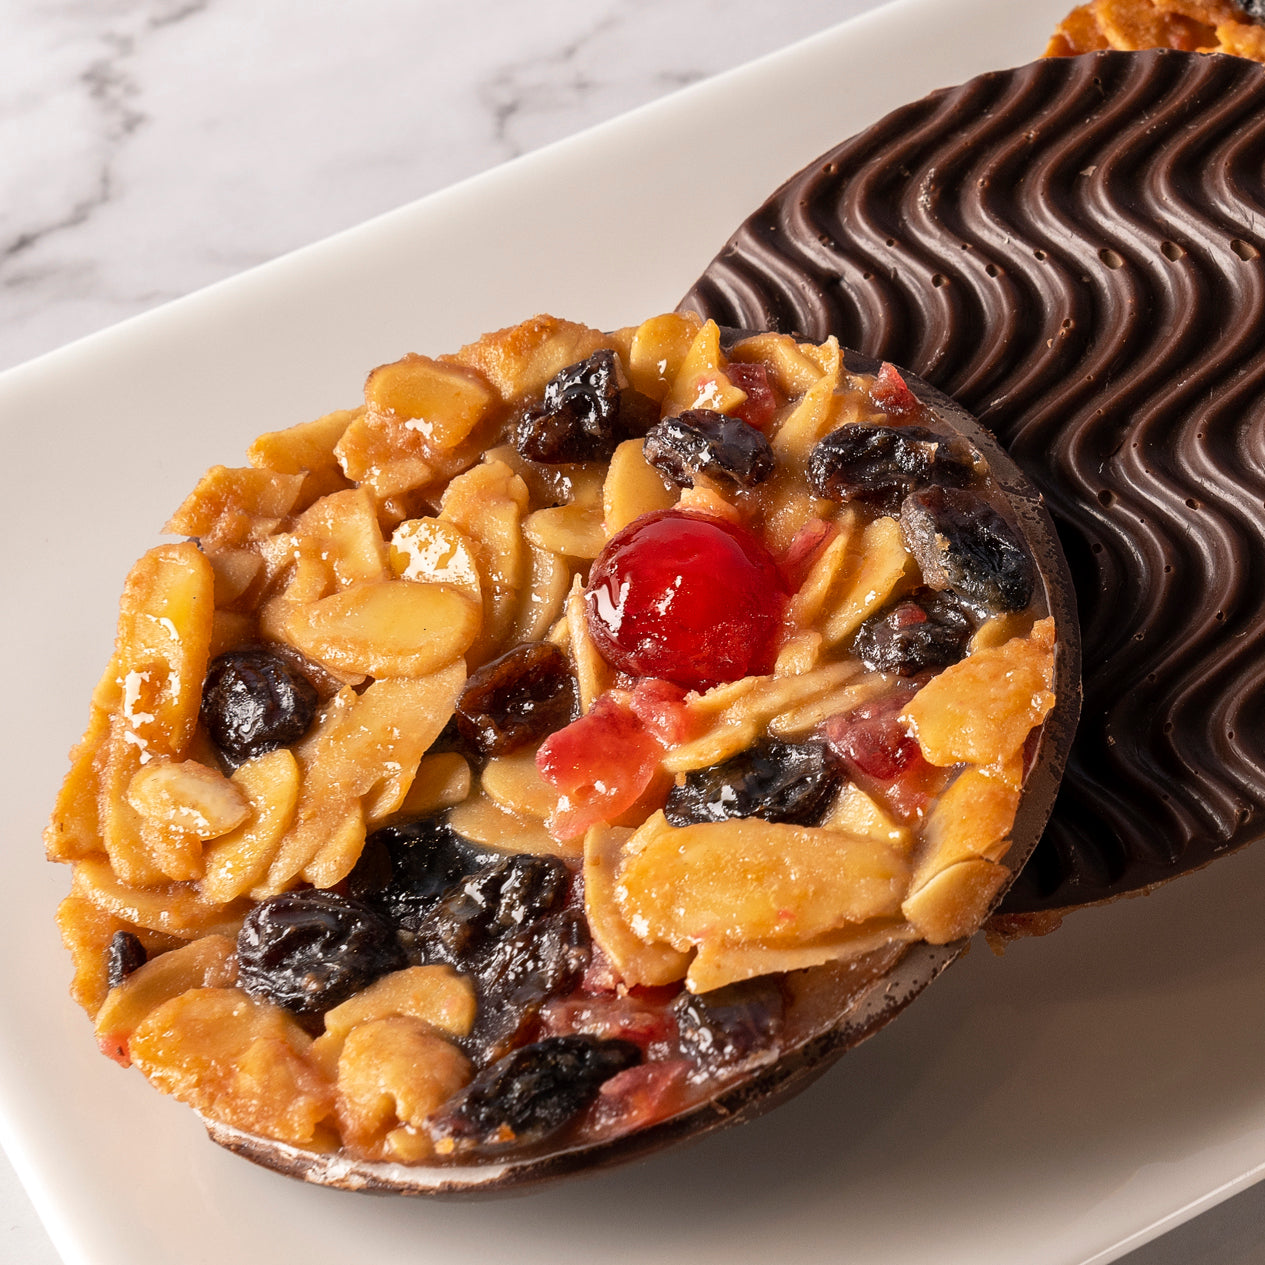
1073,249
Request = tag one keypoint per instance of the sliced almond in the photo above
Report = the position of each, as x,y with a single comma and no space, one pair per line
358,759
981,710
186,796
955,901
520,360
386,629
749,879
239,1060
392,1074
633,487
513,782
441,401
342,531
176,909
435,552
571,531
718,963
235,862
209,962
487,503
484,821
658,349
229,507
442,780
700,380
544,598
636,961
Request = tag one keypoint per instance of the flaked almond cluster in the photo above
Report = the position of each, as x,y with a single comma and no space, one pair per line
480,768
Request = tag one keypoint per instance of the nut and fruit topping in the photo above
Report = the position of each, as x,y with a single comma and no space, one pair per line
486,773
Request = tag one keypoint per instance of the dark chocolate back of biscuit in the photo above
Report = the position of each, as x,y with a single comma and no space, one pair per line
1073,249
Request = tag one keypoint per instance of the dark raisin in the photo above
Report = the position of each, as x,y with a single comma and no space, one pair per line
880,465
254,702
124,954
311,950
403,870
514,700
498,900
588,409
778,781
962,543
1255,9
730,1026
546,959
926,630
530,1094
700,441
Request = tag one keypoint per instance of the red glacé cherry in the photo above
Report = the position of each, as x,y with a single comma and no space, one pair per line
693,600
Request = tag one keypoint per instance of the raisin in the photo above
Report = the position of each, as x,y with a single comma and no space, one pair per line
778,781
404,870
730,1026
926,630
254,702
546,959
588,409
124,954
310,950
516,699
880,465
962,543
496,901
700,441
530,1094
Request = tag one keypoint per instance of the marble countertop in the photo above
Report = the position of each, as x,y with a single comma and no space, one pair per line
152,147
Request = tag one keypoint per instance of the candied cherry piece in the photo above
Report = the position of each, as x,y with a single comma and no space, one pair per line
660,706
529,1095
640,1096
310,950
891,392
807,545
762,402
516,699
880,465
701,441
779,781
925,630
881,756
253,702
692,600
600,764
962,543
588,409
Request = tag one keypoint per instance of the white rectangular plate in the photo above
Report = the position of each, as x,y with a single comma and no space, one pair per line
1053,1107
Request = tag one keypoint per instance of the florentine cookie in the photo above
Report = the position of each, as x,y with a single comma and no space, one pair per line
573,748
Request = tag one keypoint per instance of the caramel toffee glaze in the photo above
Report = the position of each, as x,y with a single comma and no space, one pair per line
1073,249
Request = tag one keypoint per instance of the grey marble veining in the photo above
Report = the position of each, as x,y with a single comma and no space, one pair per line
150,147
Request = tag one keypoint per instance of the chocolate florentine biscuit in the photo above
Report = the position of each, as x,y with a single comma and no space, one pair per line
1073,250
